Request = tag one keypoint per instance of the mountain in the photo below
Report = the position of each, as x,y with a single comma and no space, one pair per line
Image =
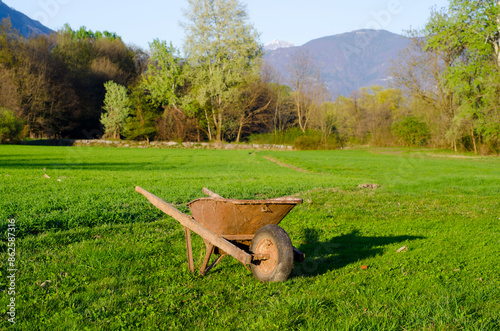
21,22
346,61
276,44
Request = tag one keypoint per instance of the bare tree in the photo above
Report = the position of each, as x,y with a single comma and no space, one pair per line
283,115
418,72
252,105
304,79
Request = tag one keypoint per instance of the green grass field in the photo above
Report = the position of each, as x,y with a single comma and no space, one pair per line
92,254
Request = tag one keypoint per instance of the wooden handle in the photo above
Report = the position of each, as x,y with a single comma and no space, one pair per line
193,225
211,194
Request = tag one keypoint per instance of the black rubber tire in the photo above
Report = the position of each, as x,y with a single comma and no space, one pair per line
272,239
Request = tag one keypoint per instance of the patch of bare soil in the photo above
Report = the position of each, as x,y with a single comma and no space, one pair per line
373,186
287,165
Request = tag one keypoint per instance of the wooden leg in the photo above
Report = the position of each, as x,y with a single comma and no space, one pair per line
189,250
210,250
215,262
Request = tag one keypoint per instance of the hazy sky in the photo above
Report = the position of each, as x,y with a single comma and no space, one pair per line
298,21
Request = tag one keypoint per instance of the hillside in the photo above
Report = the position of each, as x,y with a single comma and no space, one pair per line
21,22
347,61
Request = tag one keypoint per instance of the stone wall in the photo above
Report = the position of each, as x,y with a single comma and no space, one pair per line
173,144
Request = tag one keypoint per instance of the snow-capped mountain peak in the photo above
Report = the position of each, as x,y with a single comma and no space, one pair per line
275,44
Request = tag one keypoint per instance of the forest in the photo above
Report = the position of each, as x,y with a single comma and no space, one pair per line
81,84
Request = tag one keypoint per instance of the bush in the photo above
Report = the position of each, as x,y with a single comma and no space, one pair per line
10,126
310,140
411,131
276,138
314,140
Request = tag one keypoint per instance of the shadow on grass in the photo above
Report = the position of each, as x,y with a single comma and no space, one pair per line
50,142
69,162
338,252
95,166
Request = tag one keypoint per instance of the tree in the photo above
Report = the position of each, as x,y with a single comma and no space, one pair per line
7,38
411,131
164,77
116,107
326,121
250,109
367,115
36,88
284,116
419,74
308,90
221,48
143,115
381,106
470,31
345,122
9,96
91,59
166,86
10,126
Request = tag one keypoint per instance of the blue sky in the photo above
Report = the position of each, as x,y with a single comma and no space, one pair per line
297,21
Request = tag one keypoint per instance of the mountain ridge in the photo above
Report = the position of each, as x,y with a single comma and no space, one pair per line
346,61
21,22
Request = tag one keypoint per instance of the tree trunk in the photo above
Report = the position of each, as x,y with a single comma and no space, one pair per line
208,126
276,118
299,115
473,139
242,121
219,127
497,42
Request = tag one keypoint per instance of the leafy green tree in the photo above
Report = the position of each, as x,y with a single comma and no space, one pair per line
221,48
10,126
164,77
470,31
117,109
166,86
411,131
141,124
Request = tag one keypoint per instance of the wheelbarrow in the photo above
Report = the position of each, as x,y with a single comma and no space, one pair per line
245,229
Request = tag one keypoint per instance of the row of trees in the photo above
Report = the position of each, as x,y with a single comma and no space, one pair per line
452,71
445,92
215,92
55,84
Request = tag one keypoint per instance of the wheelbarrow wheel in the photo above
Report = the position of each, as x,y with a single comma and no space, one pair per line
274,251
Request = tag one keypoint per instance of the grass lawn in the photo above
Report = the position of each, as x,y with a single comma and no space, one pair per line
93,254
